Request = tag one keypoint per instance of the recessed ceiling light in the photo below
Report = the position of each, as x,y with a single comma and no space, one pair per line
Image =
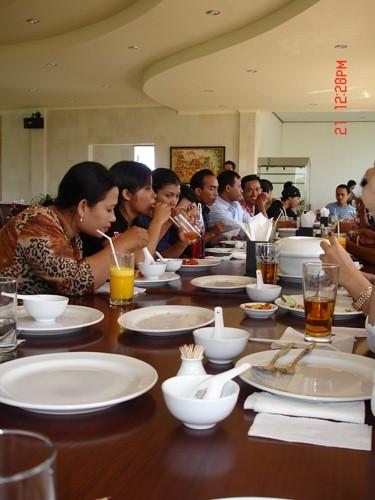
222,106
208,91
250,70
213,12
362,117
341,46
33,20
33,89
313,104
133,47
106,86
51,65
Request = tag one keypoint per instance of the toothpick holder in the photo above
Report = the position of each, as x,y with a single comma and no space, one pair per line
191,366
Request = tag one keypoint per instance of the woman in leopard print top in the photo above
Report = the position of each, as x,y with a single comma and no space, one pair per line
42,248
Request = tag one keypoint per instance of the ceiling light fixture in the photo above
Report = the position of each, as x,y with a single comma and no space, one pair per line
33,89
133,47
212,12
51,65
208,91
106,86
33,20
250,70
341,46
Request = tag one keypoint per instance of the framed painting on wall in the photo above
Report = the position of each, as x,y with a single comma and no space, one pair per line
185,161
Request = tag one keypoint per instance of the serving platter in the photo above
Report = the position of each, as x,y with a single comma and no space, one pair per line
320,376
343,308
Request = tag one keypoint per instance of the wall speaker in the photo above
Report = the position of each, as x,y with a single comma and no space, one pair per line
34,121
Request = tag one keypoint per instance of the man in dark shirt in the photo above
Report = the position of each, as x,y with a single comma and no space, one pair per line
205,186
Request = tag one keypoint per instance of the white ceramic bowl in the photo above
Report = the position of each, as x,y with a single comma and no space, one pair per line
173,264
198,413
154,270
296,250
268,293
258,313
48,308
222,350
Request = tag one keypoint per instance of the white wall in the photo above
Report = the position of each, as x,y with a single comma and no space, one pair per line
68,133
334,159
268,135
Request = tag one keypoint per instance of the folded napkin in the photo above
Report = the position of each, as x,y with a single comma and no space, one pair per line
259,228
312,431
324,212
308,219
264,402
105,289
343,338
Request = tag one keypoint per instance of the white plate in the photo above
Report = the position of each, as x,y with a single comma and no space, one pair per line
162,321
289,278
342,303
320,376
162,280
73,382
203,264
105,289
222,283
219,251
228,243
73,319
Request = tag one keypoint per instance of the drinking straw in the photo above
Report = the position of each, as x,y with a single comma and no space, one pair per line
111,244
338,229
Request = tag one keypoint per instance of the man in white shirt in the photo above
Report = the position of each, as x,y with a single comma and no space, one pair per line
227,208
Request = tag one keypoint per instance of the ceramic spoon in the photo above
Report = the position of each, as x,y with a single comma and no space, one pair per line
260,283
161,257
212,387
219,323
149,259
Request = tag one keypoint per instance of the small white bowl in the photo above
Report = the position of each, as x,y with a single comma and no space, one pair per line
258,313
48,308
222,350
198,413
173,264
154,270
268,293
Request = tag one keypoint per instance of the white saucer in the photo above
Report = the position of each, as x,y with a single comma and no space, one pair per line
73,319
162,280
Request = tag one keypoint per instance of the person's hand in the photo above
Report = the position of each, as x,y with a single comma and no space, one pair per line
218,228
184,238
161,212
261,200
134,238
334,253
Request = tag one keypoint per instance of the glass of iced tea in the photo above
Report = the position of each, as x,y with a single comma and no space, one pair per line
267,257
121,279
185,225
319,296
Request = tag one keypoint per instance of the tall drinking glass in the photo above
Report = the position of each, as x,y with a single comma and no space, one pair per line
8,311
26,466
267,257
186,226
121,278
319,295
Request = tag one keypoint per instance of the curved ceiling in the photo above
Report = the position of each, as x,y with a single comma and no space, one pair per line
265,54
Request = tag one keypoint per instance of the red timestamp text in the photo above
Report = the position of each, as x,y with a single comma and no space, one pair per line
340,94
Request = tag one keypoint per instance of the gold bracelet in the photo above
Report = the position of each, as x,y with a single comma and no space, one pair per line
362,298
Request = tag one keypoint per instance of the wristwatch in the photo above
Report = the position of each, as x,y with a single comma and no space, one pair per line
362,298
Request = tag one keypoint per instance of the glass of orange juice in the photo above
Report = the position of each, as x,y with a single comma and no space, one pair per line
121,276
341,239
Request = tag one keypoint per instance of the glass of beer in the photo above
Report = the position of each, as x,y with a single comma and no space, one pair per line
319,295
121,279
267,258
186,226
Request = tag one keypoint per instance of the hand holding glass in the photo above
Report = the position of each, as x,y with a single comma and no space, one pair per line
319,295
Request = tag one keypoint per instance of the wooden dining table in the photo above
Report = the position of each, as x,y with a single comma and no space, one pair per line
138,450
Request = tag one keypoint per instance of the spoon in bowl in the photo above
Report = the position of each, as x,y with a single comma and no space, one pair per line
149,259
219,323
260,283
212,387
24,297
161,258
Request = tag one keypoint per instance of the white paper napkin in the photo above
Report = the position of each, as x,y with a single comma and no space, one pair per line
259,228
312,431
105,289
264,402
324,212
343,338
